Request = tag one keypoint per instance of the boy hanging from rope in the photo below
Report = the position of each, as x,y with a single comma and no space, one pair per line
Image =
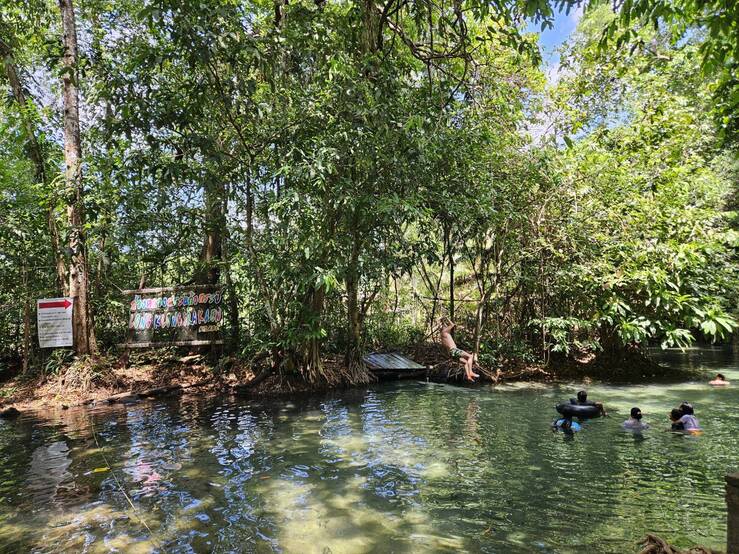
465,358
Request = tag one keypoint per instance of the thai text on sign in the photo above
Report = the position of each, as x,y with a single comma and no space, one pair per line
179,310
190,315
54,321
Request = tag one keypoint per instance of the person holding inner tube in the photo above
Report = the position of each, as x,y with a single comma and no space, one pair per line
634,423
582,400
467,360
581,407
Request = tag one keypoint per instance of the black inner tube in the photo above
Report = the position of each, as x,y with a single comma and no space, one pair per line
578,410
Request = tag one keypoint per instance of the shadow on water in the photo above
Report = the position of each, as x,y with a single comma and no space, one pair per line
403,467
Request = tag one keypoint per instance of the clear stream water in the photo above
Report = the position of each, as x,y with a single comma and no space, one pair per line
402,467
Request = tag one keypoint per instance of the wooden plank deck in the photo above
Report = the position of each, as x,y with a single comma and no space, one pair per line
391,365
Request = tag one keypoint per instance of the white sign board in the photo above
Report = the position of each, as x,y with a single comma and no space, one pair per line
54,322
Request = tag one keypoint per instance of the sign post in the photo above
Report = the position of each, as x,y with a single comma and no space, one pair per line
54,318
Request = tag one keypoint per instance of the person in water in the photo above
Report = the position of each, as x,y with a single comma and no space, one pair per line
582,400
675,423
719,381
566,425
688,419
634,423
467,360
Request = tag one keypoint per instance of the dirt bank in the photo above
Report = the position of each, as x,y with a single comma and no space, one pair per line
156,374
107,380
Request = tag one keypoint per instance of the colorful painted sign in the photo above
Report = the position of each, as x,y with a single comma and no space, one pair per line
54,321
179,316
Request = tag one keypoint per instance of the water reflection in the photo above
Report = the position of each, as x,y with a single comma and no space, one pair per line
406,467
49,464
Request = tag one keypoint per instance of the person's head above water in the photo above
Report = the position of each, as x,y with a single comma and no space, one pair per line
636,413
675,414
686,408
582,396
719,380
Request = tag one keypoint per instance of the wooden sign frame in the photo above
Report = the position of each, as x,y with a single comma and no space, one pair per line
182,313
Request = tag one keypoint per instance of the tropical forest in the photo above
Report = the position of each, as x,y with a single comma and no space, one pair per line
312,275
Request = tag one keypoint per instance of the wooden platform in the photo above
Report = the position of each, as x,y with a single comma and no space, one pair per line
393,366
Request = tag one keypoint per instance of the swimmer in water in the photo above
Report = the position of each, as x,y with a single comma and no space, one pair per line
675,423
582,400
688,419
566,425
719,381
634,423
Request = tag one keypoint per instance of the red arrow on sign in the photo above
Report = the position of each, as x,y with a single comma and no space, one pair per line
57,304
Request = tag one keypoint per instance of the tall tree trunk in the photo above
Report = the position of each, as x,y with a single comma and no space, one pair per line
60,265
82,320
312,363
262,285
352,359
451,276
354,321
370,28
34,150
37,158
211,254
354,326
233,300
26,321
477,336
249,210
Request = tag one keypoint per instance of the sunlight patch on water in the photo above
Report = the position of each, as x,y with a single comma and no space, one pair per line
435,470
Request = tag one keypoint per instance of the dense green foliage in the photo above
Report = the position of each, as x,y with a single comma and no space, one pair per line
648,181
352,171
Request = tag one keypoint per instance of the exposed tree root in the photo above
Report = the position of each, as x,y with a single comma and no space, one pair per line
266,372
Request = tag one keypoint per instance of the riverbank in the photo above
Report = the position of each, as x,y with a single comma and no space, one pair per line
87,381
157,374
